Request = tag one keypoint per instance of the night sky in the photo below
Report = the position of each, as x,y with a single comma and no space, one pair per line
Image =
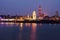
25,7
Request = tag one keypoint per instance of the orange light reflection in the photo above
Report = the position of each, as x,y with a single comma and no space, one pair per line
21,26
27,24
33,32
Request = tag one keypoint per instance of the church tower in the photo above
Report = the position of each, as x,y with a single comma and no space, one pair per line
40,11
56,15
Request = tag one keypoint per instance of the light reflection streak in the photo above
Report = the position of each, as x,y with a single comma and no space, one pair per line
21,26
55,24
40,24
33,31
20,31
11,23
20,34
2,23
17,24
8,23
27,24
50,24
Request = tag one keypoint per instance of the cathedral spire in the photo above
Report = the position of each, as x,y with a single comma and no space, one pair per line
40,11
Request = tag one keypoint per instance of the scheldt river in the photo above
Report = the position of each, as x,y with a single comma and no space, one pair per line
29,31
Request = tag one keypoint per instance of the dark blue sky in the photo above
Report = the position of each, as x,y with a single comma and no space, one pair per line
24,7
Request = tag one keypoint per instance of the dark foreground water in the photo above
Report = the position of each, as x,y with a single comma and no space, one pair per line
29,31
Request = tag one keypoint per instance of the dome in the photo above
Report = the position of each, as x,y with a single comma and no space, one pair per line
34,15
34,12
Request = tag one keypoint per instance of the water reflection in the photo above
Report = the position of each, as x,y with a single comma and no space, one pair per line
27,24
29,31
33,31
40,24
17,24
7,23
20,36
2,23
21,26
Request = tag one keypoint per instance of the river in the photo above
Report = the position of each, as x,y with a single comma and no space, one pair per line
29,31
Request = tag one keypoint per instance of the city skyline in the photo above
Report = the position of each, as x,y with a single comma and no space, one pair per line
21,7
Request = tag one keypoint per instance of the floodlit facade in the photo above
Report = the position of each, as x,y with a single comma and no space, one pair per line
34,15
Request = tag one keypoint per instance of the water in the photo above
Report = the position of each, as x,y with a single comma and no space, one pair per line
29,31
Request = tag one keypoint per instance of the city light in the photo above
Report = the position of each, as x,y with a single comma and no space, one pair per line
31,18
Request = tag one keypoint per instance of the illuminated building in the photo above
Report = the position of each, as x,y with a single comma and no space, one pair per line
40,11
45,14
56,15
40,14
34,15
28,17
